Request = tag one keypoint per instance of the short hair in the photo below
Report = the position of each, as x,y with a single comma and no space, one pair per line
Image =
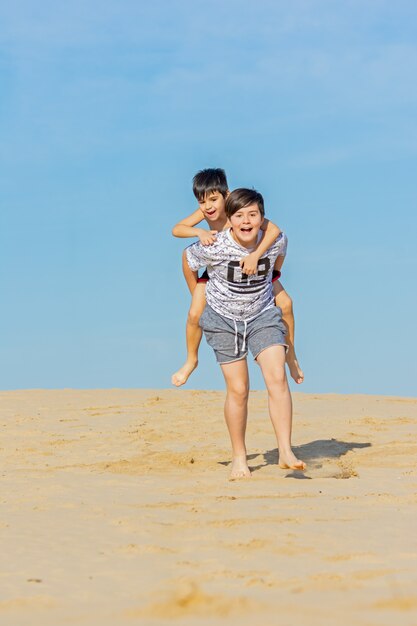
208,180
240,198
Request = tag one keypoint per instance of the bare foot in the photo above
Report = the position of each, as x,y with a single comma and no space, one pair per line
290,461
239,468
183,374
295,370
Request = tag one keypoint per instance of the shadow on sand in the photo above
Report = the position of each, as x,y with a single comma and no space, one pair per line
311,453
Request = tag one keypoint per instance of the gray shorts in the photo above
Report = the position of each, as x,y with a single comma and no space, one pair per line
230,340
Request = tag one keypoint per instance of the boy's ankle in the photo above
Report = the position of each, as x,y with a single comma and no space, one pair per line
239,455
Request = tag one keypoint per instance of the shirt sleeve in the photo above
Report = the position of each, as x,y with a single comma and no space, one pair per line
197,256
279,249
283,243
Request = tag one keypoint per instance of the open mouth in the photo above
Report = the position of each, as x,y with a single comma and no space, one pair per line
246,229
211,212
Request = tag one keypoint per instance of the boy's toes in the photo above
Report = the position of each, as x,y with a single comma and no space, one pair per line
177,380
238,475
239,468
182,375
297,464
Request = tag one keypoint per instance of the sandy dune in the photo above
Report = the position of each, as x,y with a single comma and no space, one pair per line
116,509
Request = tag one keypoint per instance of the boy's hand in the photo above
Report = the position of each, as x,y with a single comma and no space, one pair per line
249,264
207,237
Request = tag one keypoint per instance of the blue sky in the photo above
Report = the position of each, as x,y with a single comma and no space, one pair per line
107,109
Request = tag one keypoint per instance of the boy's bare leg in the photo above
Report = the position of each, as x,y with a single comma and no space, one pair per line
283,300
236,413
272,363
191,278
193,335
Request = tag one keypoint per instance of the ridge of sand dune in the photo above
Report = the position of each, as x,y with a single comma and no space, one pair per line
116,509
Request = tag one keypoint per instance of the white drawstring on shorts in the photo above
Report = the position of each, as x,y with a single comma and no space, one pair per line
244,337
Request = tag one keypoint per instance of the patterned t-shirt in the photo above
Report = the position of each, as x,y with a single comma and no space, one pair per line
230,292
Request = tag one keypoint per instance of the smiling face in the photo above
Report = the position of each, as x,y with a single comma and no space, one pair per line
246,223
213,206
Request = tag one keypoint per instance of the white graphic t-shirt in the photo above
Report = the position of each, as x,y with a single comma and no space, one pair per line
230,292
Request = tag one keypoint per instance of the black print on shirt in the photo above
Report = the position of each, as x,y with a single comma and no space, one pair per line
231,274
250,284
263,269
265,264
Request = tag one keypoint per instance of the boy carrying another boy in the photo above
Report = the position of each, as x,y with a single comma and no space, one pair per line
240,313
211,190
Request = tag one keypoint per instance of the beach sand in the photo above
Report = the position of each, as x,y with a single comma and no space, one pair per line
116,509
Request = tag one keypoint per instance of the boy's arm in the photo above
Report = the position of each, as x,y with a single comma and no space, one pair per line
188,228
279,263
249,263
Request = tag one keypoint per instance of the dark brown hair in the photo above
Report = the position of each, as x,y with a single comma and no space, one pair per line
240,198
211,179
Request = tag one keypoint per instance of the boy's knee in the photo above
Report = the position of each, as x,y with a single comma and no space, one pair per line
277,380
284,301
194,316
240,391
